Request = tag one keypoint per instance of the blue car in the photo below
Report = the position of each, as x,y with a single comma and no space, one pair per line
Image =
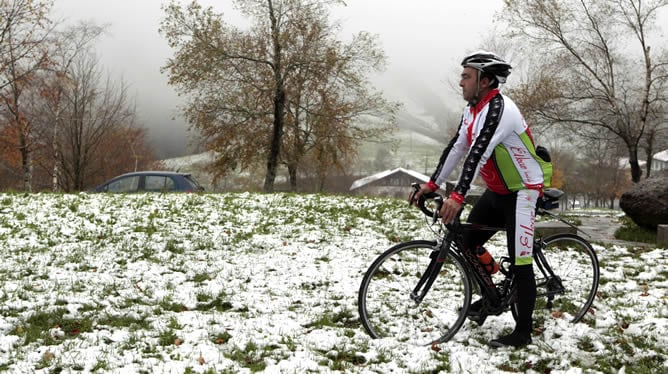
150,181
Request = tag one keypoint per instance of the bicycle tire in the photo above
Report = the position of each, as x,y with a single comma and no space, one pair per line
386,309
575,264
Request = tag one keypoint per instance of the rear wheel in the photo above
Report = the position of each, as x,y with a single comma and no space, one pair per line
567,275
385,305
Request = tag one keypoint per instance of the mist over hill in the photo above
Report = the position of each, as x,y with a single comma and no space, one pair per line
424,125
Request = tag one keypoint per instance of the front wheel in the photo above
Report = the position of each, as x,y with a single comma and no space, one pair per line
567,274
385,305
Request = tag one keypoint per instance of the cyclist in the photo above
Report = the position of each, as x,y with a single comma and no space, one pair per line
496,144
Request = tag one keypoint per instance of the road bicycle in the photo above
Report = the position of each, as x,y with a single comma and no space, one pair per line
420,291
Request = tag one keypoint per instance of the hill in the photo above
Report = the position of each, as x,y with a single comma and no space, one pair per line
407,148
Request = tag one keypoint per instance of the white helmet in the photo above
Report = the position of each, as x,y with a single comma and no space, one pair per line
489,63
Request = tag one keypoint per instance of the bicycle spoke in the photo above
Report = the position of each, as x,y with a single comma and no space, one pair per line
387,310
576,276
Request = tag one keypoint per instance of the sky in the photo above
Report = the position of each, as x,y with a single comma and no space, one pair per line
423,39
159,283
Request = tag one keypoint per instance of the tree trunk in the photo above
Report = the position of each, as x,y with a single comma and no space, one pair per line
54,180
292,171
648,166
279,103
275,147
636,173
26,164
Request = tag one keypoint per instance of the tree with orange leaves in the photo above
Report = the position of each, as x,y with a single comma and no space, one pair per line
24,29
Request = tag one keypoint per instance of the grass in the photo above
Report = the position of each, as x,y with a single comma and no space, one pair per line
218,303
574,220
130,322
250,357
630,231
342,358
208,284
52,327
343,318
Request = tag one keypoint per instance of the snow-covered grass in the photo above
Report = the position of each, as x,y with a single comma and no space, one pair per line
211,283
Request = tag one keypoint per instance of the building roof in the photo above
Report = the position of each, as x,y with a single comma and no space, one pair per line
625,164
661,156
383,174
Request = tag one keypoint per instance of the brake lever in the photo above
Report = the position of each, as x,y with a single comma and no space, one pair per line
439,204
416,188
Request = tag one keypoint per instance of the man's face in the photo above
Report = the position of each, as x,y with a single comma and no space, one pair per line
469,83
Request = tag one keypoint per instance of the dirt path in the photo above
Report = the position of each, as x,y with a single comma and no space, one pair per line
602,229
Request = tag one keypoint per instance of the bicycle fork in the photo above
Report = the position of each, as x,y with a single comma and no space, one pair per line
429,276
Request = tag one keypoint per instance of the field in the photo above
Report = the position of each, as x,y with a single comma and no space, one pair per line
233,283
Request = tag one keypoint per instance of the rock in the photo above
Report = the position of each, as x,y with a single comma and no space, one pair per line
646,203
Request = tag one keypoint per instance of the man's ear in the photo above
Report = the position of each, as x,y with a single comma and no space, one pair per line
485,82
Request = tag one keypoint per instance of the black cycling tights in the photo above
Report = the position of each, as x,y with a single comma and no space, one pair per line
515,212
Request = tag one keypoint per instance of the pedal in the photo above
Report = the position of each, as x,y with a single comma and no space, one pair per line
504,265
549,303
479,311
479,318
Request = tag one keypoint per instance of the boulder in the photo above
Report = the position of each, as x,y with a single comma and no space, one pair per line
646,203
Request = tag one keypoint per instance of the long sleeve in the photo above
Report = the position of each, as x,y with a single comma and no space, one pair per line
483,146
452,154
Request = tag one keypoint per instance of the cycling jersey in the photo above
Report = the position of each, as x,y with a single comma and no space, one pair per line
498,146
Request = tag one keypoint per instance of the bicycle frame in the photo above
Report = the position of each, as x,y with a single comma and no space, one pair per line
499,295
553,283
429,276
402,281
488,288
473,266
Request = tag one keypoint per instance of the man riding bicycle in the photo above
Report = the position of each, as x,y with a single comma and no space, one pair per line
496,144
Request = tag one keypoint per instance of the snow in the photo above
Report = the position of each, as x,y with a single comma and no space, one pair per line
624,163
661,156
383,174
187,162
210,283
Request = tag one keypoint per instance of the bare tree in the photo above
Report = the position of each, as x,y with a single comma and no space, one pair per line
592,53
97,114
601,175
655,140
69,44
24,29
24,50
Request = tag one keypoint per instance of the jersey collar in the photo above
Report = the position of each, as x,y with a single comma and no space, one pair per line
475,109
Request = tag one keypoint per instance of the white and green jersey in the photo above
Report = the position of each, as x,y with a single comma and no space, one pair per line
498,146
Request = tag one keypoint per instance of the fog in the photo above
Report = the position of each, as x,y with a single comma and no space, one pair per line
424,41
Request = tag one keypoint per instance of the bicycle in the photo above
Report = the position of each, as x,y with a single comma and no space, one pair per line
420,291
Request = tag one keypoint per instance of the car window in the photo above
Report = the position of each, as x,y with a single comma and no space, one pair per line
159,183
127,184
193,183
